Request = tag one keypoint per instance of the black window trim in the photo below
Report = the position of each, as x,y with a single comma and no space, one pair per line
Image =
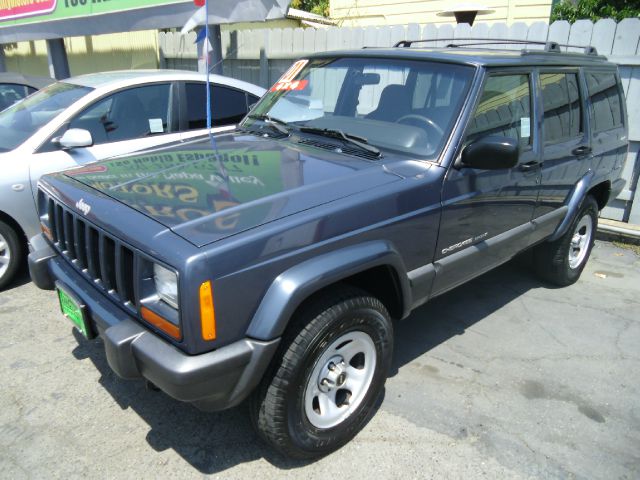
581,136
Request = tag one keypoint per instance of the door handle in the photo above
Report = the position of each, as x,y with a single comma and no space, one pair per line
525,167
581,150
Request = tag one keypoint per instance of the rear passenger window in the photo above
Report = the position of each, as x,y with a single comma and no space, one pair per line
504,109
228,106
562,108
606,104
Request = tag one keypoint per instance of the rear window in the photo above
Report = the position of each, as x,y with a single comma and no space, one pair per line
606,103
228,106
562,106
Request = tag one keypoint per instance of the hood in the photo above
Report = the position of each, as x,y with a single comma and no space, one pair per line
205,194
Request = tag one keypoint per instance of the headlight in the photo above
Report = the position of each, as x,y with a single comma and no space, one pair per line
166,284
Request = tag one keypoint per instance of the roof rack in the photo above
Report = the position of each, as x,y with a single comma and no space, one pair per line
469,42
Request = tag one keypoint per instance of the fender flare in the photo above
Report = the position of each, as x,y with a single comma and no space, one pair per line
576,197
296,284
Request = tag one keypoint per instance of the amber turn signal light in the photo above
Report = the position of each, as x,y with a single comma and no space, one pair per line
207,312
46,231
157,321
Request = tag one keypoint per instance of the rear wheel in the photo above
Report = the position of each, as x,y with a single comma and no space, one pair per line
561,262
11,254
323,389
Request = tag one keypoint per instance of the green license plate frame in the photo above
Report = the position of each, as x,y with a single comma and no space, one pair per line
74,310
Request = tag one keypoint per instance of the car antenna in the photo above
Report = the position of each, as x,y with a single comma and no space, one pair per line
212,139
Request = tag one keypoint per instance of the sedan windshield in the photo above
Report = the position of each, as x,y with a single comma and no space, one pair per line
25,118
401,105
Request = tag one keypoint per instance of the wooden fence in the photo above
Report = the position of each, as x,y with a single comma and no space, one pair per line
261,56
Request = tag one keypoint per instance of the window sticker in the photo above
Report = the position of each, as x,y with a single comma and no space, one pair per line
287,81
291,86
525,127
155,125
293,71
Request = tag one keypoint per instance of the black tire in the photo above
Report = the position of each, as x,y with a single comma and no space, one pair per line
553,261
12,248
278,404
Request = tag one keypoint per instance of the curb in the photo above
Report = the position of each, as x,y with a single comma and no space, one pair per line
618,231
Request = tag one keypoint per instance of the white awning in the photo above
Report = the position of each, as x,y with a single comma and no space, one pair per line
59,20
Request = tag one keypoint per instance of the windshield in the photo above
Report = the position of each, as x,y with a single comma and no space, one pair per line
25,118
402,105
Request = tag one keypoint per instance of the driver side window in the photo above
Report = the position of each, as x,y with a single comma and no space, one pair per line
504,109
128,114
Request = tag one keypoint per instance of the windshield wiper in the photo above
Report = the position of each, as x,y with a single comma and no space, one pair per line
356,140
276,123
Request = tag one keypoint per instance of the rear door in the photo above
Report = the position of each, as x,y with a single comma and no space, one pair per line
567,150
486,214
607,120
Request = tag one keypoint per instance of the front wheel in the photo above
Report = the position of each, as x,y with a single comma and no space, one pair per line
11,254
334,365
561,262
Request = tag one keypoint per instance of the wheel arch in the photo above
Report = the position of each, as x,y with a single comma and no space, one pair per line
583,187
9,220
601,192
375,267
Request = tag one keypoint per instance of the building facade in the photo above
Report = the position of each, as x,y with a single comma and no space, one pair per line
364,13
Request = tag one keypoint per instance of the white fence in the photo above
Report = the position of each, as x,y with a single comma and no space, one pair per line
261,56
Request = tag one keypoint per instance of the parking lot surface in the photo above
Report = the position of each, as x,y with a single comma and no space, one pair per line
504,377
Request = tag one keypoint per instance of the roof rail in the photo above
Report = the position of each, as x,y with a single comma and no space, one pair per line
548,46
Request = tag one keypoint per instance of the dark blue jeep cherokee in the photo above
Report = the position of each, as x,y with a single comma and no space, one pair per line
268,264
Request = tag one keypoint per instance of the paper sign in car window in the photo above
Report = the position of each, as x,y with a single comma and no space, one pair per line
287,81
293,71
155,125
291,86
525,127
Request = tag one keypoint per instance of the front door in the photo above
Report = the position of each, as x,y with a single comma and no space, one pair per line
486,214
126,121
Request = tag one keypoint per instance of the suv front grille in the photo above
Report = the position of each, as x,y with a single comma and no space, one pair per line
103,259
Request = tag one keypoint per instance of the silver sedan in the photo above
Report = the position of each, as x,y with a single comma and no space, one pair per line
92,117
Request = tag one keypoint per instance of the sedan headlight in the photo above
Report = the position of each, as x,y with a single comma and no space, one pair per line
166,282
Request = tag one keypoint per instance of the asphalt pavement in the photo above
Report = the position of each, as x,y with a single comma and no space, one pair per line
504,377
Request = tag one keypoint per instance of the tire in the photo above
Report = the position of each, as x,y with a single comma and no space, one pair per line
11,254
561,262
337,349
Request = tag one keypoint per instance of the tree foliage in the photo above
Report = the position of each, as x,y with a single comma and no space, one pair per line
593,10
319,7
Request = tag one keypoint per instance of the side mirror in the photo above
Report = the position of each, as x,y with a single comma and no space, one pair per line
74,138
490,153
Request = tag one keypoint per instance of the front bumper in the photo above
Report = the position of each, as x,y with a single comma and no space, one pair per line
211,381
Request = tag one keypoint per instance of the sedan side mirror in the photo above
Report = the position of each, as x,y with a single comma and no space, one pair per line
490,153
74,138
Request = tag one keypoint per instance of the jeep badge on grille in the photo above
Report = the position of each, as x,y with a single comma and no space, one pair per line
85,208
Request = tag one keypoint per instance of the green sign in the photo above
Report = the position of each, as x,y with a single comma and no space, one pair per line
20,12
